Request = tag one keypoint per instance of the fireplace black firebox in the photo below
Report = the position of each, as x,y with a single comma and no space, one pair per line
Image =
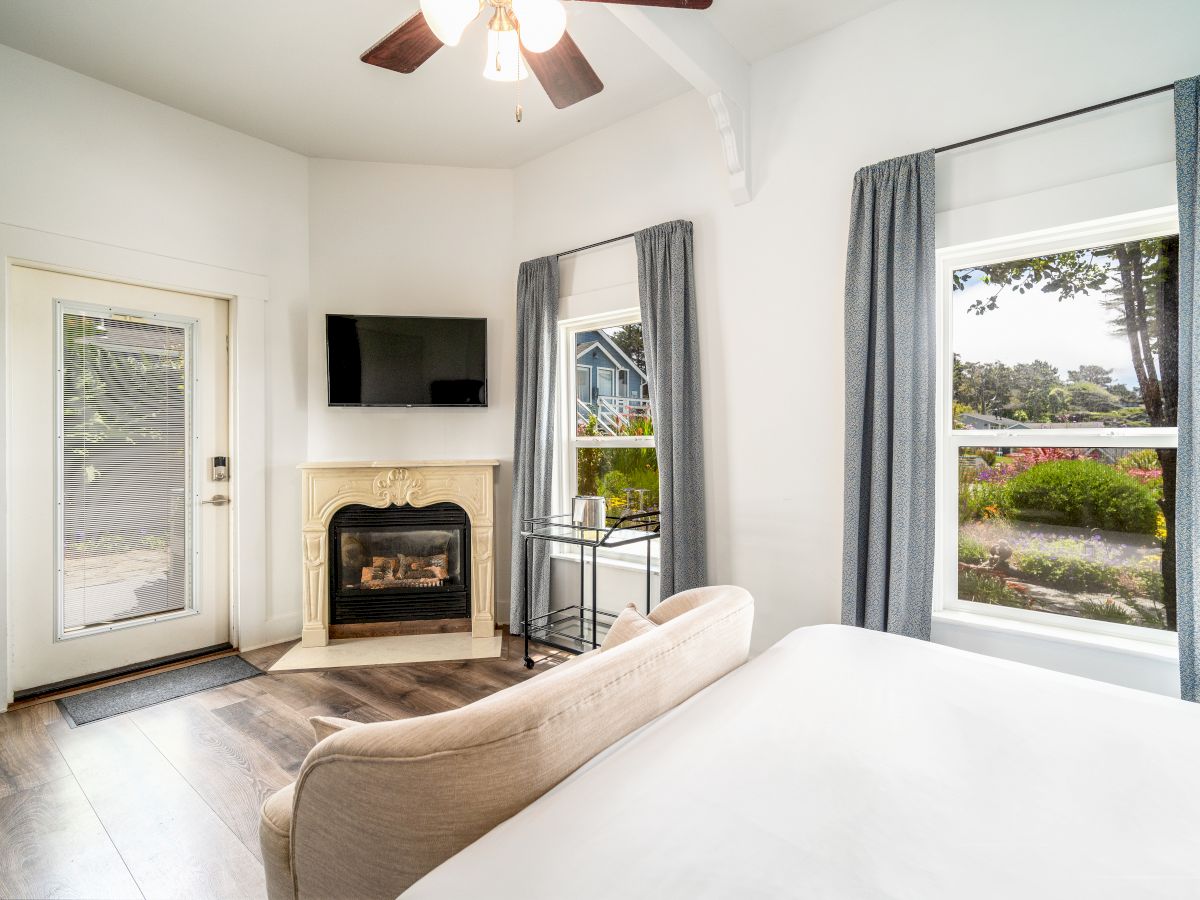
400,564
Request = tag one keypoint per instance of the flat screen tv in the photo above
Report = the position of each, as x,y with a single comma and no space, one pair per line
406,361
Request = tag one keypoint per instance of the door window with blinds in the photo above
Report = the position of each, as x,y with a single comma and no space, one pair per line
126,483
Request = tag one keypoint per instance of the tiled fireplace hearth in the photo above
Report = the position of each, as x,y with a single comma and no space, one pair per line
398,541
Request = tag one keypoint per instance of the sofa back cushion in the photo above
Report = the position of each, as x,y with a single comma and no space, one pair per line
414,792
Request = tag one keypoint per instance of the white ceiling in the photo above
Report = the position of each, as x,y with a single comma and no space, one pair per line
287,71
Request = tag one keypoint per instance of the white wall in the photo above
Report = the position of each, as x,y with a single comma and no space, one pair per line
913,75
1109,163
425,241
87,160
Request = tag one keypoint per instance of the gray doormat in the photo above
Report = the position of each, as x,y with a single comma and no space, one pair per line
114,699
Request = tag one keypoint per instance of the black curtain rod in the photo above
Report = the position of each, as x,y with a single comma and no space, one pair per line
623,237
1068,115
976,140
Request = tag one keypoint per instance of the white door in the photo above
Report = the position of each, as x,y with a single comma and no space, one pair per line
119,401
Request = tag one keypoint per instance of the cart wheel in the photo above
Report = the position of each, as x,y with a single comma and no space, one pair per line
528,663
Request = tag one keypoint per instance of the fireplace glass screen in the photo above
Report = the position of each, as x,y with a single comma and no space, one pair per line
400,559
400,563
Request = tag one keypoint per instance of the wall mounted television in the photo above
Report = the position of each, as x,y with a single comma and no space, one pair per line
406,361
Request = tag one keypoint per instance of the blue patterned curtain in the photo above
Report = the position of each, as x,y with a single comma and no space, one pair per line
671,330
1187,498
533,448
887,566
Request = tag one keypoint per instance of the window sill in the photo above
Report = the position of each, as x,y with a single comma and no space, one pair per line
611,561
1147,649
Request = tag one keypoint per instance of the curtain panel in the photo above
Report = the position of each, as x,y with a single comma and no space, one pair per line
888,554
670,330
533,449
1187,497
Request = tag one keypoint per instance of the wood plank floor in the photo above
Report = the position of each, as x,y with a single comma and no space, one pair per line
163,802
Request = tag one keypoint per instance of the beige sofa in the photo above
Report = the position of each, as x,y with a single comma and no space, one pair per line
377,806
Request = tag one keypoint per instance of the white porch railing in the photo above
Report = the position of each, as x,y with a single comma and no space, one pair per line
613,414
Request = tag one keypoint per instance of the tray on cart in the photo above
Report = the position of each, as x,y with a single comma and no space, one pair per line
619,531
571,628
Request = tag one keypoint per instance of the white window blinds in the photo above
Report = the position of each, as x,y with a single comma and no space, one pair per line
125,489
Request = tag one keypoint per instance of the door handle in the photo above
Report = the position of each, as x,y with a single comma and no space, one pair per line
216,500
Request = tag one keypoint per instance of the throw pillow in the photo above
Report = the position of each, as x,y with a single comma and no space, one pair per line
629,624
324,726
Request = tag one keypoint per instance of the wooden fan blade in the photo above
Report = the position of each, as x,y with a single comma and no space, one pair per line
405,48
671,4
565,73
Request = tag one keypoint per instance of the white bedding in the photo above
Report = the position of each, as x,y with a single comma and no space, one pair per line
843,763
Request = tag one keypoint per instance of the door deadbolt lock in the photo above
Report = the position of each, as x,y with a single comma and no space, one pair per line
218,468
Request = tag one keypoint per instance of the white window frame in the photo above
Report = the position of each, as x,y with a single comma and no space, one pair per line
191,328
567,442
1119,229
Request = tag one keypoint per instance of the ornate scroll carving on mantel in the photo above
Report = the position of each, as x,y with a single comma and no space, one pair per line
328,487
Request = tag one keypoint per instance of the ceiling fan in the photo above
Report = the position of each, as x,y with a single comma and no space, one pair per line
521,33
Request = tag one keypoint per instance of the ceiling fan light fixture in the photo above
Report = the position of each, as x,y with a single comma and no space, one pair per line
504,62
543,23
448,19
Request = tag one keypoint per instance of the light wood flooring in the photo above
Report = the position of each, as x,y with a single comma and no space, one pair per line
163,802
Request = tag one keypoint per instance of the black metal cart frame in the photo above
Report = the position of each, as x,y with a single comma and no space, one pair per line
557,627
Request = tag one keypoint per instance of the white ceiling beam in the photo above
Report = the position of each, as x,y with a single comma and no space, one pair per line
688,42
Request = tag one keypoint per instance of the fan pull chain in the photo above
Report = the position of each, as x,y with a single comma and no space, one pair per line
519,112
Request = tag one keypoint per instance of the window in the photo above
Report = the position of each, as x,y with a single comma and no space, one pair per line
125,481
606,444
605,382
583,383
1058,428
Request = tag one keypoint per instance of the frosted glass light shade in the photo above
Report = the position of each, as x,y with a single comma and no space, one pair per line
448,19
504,61
543,23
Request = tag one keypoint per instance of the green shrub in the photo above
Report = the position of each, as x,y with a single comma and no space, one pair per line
1148,616
971,551
1108,611
981,588
1149,584
1083,493
1145,458
982,500
1072,565
1070,571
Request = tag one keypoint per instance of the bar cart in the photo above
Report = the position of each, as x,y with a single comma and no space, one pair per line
577,628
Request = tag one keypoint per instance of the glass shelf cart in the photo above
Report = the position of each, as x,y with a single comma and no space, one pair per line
581,626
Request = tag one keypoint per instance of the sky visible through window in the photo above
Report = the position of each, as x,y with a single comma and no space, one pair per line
1080,338
1067,333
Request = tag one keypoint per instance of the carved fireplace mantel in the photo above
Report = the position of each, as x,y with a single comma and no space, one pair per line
330,486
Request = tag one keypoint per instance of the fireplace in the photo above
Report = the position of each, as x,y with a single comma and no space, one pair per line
383,488
399,564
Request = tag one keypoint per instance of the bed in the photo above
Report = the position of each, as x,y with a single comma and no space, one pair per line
843,763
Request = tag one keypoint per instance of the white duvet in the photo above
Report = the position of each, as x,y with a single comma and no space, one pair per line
843,763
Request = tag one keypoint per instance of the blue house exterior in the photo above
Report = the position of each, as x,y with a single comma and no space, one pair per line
604,371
